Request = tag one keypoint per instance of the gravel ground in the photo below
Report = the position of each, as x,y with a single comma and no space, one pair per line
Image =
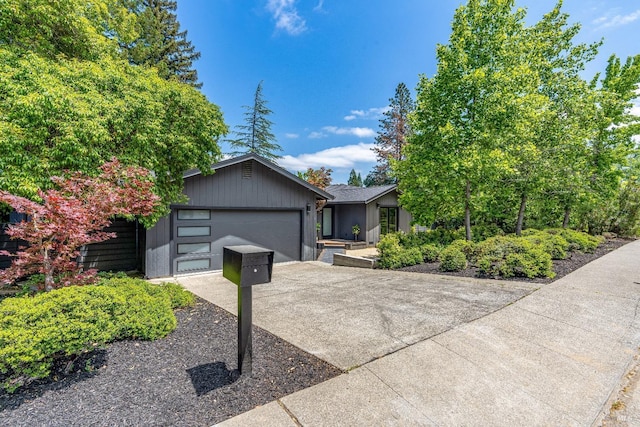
186,379
561,267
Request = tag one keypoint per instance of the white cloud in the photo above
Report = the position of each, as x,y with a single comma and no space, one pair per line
286,16
318,7
355,131
370,114
317,135
292,135
335,158
608,21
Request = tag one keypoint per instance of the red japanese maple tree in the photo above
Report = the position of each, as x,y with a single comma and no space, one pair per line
74,214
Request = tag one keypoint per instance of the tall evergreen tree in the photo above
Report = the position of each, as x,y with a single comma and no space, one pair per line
161,44
355,179
392,137
255,135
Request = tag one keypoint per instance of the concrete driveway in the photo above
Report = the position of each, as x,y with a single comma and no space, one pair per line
349,317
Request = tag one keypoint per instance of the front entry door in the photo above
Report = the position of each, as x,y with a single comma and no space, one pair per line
327,223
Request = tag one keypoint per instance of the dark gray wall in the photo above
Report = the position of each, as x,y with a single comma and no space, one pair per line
8,245
158,249
248,186
345,217
118,254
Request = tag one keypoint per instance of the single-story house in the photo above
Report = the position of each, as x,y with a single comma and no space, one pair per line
374,209
248,200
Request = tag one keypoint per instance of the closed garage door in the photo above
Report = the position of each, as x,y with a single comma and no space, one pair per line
200,235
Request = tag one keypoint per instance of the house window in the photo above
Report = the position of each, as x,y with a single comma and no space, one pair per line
194,231
194,214
194,264
194,248
388,220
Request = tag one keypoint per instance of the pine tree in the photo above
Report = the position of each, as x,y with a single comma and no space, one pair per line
392,137
355,179
161,44
255,136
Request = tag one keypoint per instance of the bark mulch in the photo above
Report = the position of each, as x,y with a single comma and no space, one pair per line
187,379
561,267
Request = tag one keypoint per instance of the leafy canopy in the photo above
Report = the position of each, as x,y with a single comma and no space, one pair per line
69,102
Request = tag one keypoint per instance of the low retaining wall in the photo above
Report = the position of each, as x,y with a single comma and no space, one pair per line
353,261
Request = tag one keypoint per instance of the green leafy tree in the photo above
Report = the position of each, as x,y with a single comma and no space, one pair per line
553,109
355,179
160,43
69,103
461,115
81,29
612,150
507,122
255,135
395,129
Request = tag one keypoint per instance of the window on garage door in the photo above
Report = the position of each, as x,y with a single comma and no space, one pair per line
192,237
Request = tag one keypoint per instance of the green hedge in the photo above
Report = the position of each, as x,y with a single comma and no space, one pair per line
510,256
507,256
578,241
393,255
452,259
35,330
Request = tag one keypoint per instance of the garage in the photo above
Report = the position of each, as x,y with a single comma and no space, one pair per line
243,200
200,236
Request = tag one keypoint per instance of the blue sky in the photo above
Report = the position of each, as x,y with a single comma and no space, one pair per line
329,67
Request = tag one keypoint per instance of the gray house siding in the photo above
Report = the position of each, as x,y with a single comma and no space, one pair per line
345,217
158,249
249,203
367,215
373,224
404,220
121,253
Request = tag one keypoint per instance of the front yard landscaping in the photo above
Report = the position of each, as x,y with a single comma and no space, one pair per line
187,378
537,255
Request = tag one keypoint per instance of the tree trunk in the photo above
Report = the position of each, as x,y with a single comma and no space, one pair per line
523,205
467,211
48,271
567,213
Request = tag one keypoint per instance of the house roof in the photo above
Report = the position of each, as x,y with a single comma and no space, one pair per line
252,156
348,194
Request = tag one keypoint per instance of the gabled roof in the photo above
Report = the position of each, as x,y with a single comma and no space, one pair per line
252,156
348,194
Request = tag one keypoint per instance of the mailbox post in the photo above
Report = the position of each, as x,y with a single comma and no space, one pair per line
246,265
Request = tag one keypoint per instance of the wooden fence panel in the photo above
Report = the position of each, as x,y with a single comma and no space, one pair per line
119,254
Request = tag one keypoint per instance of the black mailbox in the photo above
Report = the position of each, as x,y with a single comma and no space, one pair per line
247,265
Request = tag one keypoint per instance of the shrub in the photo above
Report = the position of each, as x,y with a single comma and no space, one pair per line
177,295
483,232
465,246
452,259
35,331
429,252
533,263
439,237
389,251
393,255
578,241
554,244
513,256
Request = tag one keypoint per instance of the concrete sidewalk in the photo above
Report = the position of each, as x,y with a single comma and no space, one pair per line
551,358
